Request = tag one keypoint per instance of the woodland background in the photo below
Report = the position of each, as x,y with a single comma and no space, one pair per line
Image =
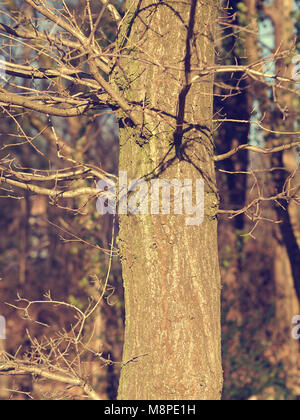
46,247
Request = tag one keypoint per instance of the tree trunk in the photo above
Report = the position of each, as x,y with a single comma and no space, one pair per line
170,269
286,252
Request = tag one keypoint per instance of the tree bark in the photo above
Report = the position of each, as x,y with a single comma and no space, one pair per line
170,270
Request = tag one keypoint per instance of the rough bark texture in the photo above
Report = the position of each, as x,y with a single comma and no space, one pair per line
170,270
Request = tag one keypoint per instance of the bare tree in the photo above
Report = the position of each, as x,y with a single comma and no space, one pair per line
157,76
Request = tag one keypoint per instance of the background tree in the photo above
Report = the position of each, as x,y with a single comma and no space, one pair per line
258,270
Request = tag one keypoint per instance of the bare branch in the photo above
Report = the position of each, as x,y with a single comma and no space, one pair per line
256,149
12,99
18,367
